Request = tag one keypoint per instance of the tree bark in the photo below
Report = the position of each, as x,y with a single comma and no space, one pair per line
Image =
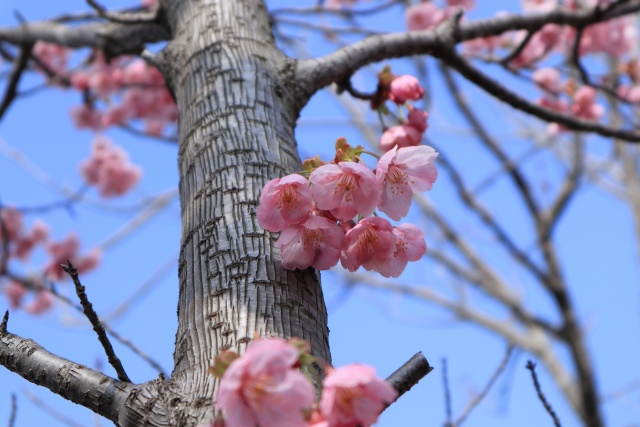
238,107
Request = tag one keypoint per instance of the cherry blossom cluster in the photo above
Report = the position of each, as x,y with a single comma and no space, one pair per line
581,102
614,37
109,169
427,15
265,387
400,90
315,215
128,88
17,244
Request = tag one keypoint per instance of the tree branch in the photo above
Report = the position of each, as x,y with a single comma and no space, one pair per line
88,311
441,42
113,38
19,65
77,383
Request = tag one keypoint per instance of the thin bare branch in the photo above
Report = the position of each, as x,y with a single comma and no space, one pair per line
19,65
480,397
144,16
14,411
50,410
88,310
447,394
532,367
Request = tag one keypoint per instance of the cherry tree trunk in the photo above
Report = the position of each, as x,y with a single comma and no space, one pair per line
238,110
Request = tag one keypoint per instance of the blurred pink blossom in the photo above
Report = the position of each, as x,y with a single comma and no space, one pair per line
405,88
404,135
284,201
352,395
263,388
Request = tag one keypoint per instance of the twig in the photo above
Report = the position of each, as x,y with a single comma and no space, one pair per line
532,367
477,399
124,341
88,310
14,411
410,373
126,18
518,50
447,393
19,65
5,321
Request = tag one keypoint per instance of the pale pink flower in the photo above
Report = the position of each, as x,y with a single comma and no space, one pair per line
346,189
42,302
409,246
339,4
67,249
284,201
148,3
539,6
402,172
405,88
404,135
543,42
85,117
584,104
38,234
262,388
465,4
53,56
11,223
630,93
368,243
15,293
418,119
548,79
425,16
316,242
353,395
615,37
109,169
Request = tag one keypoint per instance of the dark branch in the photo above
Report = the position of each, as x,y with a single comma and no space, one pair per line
113,38
532,367
14,411
88,311
77,383
447,393
126,18
19,65
410,373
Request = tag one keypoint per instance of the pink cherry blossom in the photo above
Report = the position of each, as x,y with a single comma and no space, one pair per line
67,249
316,242
402,172
368,243
405,135
148,3
109,169
263,388
86,117
339,4
418,119
346,189
584,104
42,302
465,4
425,16
353,395
630,93
548,79
539,6
405,88
11,223
284,201
409,246
543,42
38,234
53,56
15,293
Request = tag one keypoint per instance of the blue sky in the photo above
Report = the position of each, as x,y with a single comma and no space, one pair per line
595,241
